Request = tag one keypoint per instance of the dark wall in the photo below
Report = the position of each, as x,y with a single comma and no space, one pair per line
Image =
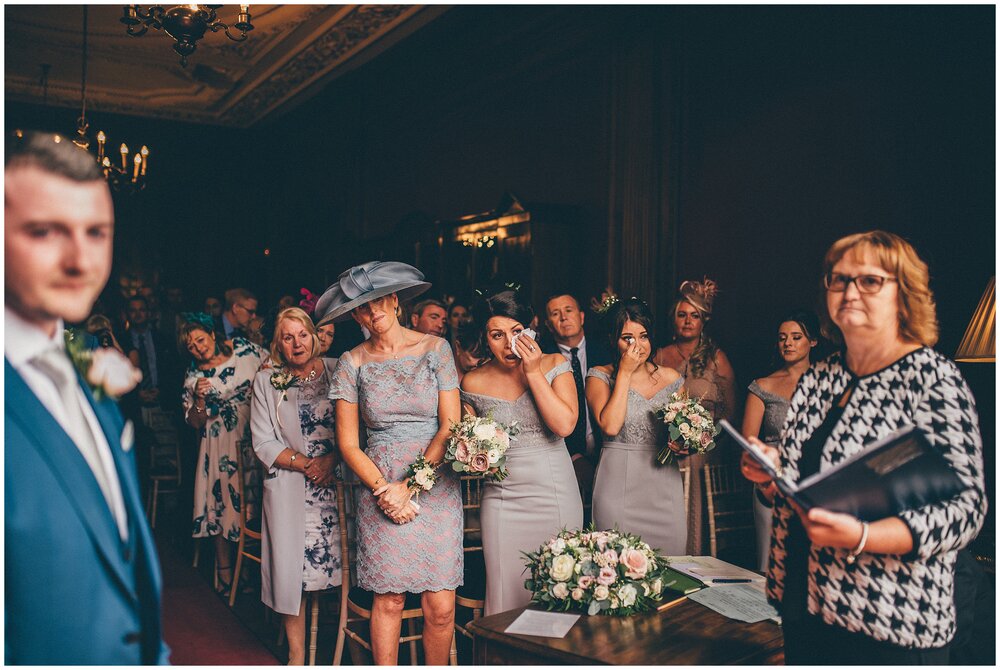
790,127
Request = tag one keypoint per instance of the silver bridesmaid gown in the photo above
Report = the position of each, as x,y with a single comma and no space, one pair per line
631,489
539,498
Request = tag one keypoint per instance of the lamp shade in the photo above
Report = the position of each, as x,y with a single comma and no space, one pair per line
979,343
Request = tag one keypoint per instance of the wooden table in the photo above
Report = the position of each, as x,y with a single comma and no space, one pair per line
685,634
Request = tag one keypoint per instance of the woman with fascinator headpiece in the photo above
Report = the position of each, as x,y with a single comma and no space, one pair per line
632,490
709,376
216,401
404,386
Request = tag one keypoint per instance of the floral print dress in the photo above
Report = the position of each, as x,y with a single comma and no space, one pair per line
321,564
217,497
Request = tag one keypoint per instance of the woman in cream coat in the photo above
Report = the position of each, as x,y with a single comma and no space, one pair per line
293,436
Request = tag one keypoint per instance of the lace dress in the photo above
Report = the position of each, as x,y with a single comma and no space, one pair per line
633,491
397,401
775,411
217,497
538,499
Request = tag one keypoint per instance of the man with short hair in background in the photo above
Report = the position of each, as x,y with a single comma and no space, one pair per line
564,319
429,316
241,308
82,578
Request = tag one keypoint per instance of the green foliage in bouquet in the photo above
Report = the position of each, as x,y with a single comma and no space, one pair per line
596,571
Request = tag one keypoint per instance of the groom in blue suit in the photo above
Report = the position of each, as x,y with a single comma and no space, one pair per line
82,580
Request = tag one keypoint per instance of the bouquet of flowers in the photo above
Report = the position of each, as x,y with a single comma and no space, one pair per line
478,446
422,474
596,571
689,425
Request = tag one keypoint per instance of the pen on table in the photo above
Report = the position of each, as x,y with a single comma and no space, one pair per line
730,581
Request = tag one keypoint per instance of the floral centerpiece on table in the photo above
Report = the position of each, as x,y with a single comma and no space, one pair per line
689,426
478,446
596,571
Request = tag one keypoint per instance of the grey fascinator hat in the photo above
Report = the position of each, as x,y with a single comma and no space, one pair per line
364,283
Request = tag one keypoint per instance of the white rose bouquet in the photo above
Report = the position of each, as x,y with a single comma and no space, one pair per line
478,446
689,427
597,572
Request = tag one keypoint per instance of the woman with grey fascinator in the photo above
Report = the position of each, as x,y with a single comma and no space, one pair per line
404,386
709,376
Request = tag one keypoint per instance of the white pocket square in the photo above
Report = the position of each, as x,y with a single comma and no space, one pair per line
128,436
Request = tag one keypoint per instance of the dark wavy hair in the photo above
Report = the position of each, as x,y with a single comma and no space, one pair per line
506,302
635,310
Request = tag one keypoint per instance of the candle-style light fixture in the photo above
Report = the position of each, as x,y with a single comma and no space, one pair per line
185,23
125,177
979,345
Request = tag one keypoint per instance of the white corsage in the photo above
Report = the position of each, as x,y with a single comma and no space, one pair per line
282,380
106,370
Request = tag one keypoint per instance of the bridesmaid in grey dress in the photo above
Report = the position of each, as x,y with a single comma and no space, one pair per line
767,405
540,497
632,490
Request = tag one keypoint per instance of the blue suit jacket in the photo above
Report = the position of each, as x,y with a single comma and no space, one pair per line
74,592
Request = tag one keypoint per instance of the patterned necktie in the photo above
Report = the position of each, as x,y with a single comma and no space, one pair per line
577,441
55,365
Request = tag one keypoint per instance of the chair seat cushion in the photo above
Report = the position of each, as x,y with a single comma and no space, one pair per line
364,598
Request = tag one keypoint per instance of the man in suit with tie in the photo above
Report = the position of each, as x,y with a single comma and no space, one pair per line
564,319
82,580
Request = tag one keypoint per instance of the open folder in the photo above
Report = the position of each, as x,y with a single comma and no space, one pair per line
901,471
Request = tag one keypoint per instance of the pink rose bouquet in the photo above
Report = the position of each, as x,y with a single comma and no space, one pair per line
597,572
478,446
689,427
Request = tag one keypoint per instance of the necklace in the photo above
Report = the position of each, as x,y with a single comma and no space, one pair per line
309,377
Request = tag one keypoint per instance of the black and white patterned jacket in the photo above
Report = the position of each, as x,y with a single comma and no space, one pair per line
906,600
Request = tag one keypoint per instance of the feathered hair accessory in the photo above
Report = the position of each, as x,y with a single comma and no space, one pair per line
308,303
701,294
201,319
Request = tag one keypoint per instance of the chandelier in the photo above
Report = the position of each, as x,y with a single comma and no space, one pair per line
131,175
185,23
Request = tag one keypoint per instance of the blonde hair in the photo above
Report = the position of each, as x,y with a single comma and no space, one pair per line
293,314
917,312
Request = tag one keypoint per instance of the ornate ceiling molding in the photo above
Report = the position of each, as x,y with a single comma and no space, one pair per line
293,50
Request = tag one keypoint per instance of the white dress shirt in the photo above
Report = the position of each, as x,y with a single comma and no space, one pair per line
582,355
22,342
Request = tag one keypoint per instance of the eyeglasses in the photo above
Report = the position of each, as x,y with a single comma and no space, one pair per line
247,309
838,283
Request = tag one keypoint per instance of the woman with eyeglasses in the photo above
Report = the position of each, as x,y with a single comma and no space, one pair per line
879,592
768,400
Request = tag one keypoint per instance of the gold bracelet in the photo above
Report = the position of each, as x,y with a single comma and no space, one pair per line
375,483
291,461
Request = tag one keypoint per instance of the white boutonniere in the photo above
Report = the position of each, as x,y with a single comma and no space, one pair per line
282,380
106,370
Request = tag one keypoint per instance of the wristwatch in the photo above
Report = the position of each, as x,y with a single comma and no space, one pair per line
291,461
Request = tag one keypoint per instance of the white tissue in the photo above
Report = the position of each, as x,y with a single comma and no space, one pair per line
527,331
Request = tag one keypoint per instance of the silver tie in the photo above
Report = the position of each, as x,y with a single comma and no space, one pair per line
55,365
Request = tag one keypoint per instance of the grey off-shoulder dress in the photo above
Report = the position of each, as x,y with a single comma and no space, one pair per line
775,412
631,489
536,501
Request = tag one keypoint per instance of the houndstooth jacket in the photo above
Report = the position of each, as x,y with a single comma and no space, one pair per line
905,600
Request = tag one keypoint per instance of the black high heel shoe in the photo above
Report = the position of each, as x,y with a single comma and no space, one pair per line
223,587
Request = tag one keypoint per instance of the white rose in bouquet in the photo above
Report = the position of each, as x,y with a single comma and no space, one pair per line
485,431
562,567
560,591
493,455
601,592
577,594
627,594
